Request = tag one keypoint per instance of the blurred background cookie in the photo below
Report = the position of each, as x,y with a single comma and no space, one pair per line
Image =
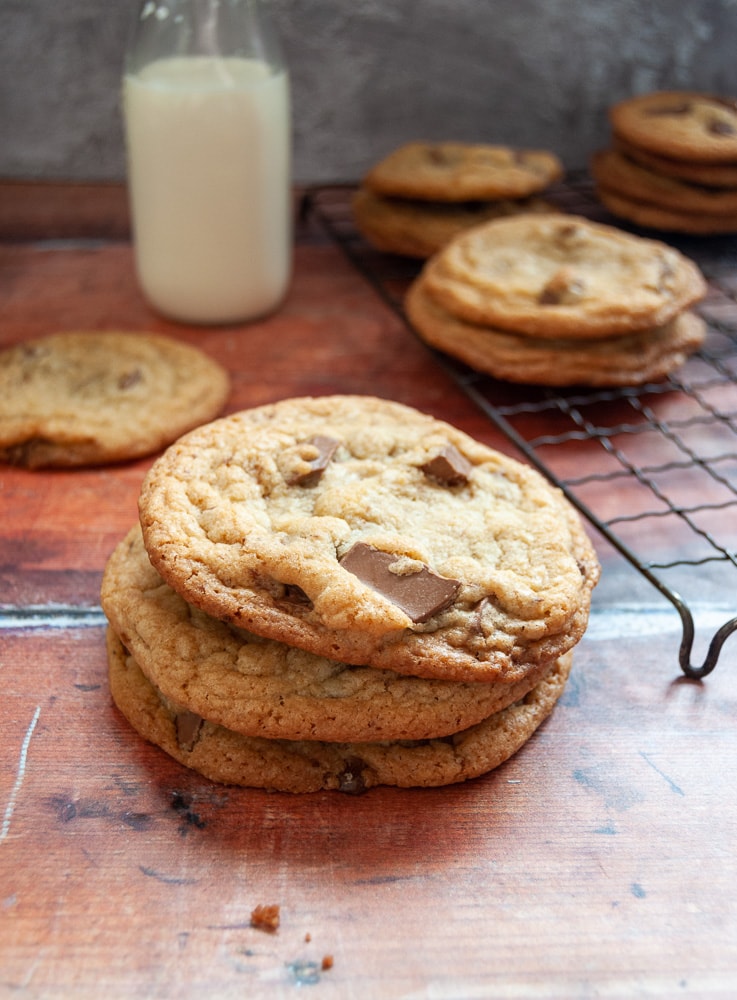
422,194
672,164
420,228
73,399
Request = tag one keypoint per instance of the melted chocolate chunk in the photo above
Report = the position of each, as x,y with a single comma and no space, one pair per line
295,595
350,780
718,127
325,448
563,288
439,156
188,729
448,467
419,594
129,379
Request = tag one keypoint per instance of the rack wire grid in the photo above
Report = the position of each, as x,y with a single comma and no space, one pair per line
654,467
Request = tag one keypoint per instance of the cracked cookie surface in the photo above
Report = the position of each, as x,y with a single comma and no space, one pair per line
561,276
412,548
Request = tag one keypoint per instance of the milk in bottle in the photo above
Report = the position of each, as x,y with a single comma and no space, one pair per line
208,139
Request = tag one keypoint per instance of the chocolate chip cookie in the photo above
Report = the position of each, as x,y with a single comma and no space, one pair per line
456,171
653,216
711,175
73,399
630,359
561,276
618,173
420,228
682,125
364,531
307,766
259,687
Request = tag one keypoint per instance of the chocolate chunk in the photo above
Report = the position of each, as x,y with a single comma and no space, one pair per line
312,468
295,594
563,288
440,156
718,127
350,780
188,729
129,379
419,593
448,467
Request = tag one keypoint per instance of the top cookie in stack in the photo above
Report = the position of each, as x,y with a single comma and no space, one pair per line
360,529
673,162
423,194
559,300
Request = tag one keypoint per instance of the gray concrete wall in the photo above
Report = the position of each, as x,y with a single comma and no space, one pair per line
370,74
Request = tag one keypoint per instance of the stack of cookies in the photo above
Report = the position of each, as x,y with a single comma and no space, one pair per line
673,162
341,592
423,194
558,300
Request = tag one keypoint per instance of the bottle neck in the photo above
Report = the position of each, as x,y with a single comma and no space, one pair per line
211,28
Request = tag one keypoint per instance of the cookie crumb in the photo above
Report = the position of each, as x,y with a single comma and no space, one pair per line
265,917
308,937
327,962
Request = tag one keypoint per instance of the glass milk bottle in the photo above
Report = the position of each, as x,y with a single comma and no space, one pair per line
207,114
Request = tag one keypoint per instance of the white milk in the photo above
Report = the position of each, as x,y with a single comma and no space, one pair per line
209,176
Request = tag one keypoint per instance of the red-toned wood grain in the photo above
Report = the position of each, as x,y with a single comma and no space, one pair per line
598,861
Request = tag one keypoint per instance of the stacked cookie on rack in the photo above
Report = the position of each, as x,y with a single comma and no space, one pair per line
673,162
558,300
422,194
341,592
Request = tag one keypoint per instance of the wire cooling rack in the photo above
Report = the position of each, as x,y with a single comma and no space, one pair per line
653,468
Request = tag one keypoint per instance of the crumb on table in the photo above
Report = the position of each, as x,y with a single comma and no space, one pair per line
265,917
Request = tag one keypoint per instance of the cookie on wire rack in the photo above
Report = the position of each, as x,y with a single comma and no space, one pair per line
423,193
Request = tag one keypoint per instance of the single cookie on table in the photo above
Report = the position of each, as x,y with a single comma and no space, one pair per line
713,175
635,182
630,359
420,228
73,399
681,125
308,766
652,216
561,276
260,687
362,530
457,171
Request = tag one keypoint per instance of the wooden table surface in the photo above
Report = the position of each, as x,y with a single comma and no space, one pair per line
600,861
